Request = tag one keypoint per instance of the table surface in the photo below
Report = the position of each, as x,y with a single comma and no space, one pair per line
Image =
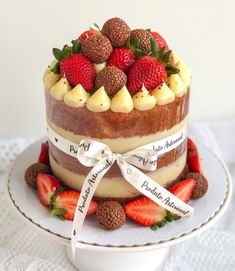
21,248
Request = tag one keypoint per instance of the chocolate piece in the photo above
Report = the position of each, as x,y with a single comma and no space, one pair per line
112,78
110,215
97,48
201,186
111,124
144,36
32,172
117,31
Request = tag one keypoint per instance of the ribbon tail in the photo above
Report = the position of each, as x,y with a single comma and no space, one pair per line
153,190
88,189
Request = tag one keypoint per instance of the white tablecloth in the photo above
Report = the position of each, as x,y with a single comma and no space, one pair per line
21,248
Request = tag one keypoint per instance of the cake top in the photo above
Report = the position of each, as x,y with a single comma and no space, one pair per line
117,68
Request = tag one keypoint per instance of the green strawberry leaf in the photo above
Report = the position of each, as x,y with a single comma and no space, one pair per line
76,46
159,224
56,68
54,196
60,212
171,70
153,47
57,54
96,26
166,56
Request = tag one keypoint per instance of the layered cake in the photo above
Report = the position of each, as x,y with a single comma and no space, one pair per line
121,87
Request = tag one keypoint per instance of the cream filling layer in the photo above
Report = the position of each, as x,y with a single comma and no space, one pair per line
121,144
118,187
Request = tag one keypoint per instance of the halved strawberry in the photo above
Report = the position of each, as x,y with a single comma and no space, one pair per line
144,211
193,158
183,189
65,203
47,186
44,154
87,34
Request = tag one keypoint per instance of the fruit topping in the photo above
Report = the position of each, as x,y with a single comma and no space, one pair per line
110,215
117,31
183,189
78,70
193,158
64,204
87,34
144,211
44,154
144,36
32,172
112,79
121,58
47,185
201,186
97,48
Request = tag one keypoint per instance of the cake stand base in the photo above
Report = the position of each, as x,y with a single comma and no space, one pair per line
90,260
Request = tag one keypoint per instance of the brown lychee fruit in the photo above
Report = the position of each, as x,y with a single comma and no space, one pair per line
112,79
201,186
97,48
117,31
145,37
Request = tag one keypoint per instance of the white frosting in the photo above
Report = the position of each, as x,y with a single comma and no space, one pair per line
163,94
177,85
51,79
122,101
143,100
77,97
99,101
185,72
60,89
176,57
99,67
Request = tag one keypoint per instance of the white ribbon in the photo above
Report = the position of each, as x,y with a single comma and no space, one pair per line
95,154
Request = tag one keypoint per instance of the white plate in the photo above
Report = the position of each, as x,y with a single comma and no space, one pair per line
131,235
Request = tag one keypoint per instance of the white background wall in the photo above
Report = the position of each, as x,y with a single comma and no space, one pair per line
201,32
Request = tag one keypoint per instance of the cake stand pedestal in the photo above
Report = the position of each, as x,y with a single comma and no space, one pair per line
132,247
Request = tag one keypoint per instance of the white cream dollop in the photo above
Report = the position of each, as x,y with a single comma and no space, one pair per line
122,101
163,94
60,89
143,100
49,67
76,97
176,84
185,72
98,101
175,57
99,67
50,80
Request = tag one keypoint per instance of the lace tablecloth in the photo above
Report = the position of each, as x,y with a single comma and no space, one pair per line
23,249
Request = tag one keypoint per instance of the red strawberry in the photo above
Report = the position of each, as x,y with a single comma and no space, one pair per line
183,189
162,43
66,202
121,58
47,186
146,71
44,154
78,70
144,211
193,158
87,34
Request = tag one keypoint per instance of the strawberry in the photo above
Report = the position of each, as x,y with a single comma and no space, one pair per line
44,154
146,71
162,43
78,70
193,158
144,211
121,58
47,186
87,34
183,189
65,203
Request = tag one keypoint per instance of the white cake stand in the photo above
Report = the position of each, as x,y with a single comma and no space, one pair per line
131,248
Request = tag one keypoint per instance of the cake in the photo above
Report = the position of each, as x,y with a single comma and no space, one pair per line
123,88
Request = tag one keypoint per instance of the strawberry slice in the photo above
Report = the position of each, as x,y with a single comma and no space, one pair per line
183,189
193,158
65,203
47,186
144,211
44,154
